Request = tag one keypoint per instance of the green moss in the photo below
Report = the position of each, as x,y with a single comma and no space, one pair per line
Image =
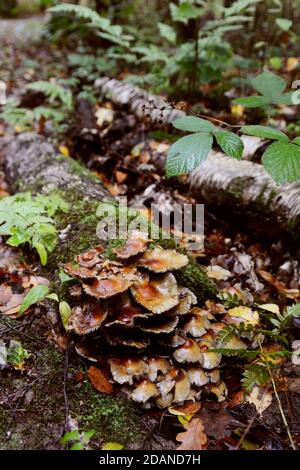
194,277
77,167
113,418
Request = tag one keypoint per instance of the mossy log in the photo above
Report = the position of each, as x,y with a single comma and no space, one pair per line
32,164
242,191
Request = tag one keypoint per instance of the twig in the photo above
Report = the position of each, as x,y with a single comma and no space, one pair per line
66,368
22,333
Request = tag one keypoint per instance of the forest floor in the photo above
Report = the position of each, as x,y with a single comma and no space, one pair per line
52,393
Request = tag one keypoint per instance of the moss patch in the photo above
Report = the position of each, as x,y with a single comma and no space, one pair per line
40,422
194,277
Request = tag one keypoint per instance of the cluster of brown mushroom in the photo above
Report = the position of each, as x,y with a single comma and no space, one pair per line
157,342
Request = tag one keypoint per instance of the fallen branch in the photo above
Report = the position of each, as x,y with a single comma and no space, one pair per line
231,188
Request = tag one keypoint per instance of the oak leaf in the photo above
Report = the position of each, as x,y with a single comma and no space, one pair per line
194,437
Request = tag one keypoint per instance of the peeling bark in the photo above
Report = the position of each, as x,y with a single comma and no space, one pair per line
34,164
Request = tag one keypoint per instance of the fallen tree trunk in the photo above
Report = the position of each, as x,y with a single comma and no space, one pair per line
228,187
34,165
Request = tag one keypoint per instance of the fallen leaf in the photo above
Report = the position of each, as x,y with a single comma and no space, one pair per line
280,286
237,110
120,176
217,421
99,381
112,446
194,437
273,308
260,398
189,408
244,314
218,273
64,150
291,64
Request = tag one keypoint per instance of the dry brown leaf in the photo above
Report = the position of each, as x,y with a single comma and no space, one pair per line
99,381
194,437
189,408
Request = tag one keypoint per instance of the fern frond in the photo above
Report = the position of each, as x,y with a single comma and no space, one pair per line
81,12
248,354
106,30
255,374
53,91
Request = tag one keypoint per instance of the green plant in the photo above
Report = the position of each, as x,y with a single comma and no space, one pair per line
101,26
281,159
190,151
79,440
55,93
28,219
271,88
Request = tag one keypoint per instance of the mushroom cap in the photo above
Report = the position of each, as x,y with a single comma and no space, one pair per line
214,375
159,260
219,390
104,288
156,365
157,324
125,370
87,318
198,376
124,311
135,244
129,338
144,391
91,257
211,359
182,387
166,385
197,326
188,352
164,401
186,299
157,295
80,272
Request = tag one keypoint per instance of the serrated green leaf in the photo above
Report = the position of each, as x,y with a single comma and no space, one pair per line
284,23
193,124
65,312
296,141
265,132
187,153
36,294
252,101
230,143
282,162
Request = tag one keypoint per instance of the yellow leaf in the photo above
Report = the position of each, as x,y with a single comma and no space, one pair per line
19,129
260,398
273,308
291,64
237,110
112,446
245,314
64,150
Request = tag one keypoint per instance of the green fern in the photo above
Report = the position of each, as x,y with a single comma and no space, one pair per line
255,374
24,219
248,354
102,26
54,92
16,116
282,321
